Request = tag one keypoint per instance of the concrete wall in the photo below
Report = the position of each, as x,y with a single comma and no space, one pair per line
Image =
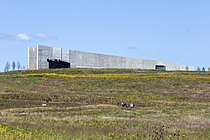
191,68
44,53
32,58
75,58
169,66
101,61
148,64
117,62
78,59
134,63
81,59
65,56
57,53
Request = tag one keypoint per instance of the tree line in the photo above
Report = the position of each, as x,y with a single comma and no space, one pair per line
203,69
13,66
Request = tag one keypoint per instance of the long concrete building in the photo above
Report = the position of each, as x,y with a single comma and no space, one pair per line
37,59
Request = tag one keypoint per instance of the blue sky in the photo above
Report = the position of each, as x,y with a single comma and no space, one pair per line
167,30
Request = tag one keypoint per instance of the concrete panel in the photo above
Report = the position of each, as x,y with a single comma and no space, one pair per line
75,58
117,62
44,53
32,58
148,64
102,60
65,56
169,66
57,53
94,60
183,67
191,68
134,63
88,59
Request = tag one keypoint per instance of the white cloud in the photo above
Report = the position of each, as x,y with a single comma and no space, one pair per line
27,37
23,37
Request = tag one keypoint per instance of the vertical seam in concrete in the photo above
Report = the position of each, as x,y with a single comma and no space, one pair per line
28,57
37,57
61,56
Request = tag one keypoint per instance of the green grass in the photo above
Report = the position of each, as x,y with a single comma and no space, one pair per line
85,104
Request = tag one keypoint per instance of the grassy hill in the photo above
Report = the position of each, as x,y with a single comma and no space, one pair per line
86,104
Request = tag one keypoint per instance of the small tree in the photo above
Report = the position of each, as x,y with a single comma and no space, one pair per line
13,65
187,68
203,69
209,69
18,65
198,69
7,67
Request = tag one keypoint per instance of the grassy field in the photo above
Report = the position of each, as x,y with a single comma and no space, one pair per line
86,104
